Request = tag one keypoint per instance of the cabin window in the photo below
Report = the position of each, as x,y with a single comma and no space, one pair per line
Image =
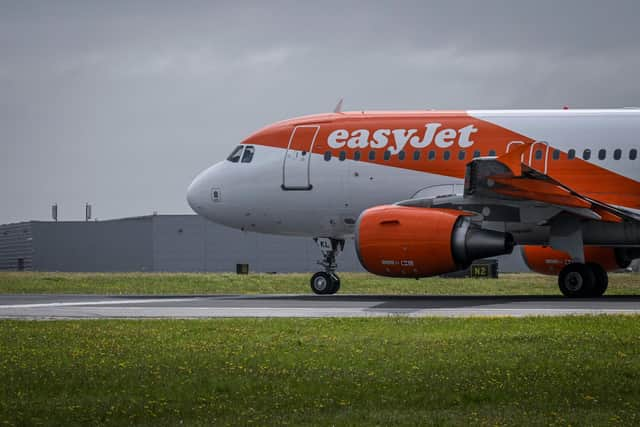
234,157
401,155
538,154
387,155
556,155
633,154
342,156
462,154
602,154
432,155
571,154
372,155
447,155
247,156
492,153
356,156
617,154
476,154
586,154
416,155
327,155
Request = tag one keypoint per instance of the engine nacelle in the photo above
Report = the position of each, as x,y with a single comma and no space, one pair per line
546,260
402,241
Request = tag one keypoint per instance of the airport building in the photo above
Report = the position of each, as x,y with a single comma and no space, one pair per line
171,243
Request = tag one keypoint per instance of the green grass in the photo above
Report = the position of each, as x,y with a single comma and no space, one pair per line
226,283
394,371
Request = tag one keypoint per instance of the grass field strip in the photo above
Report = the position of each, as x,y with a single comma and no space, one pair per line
519,312
188,284
399,371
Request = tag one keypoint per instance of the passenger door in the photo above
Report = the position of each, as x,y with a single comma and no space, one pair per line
297,159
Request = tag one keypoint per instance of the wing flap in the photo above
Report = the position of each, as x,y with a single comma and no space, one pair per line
508,176
540,191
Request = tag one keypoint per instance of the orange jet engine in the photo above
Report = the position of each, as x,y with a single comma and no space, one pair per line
546,260
402,241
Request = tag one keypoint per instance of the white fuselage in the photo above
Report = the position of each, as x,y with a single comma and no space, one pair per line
250,196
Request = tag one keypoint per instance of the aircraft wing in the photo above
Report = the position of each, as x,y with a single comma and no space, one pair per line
507,177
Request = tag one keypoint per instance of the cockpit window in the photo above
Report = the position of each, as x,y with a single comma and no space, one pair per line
247,156
234,157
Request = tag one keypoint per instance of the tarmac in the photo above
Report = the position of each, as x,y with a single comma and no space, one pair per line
206,306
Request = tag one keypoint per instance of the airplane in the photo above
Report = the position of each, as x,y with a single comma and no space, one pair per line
424,193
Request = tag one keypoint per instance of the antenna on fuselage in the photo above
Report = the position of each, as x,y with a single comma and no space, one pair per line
338,108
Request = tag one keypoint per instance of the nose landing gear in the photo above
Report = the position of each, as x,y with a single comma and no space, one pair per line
327,282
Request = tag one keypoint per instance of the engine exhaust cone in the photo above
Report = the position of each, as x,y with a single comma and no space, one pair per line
470,242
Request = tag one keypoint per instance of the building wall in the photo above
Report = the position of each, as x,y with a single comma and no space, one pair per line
118,245
178,243
191,243
15,245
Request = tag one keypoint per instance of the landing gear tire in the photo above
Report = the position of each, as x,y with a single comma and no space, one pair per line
323,283
602,279
577,280
336,283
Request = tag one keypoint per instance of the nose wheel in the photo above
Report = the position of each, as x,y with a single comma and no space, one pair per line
323,283
327,282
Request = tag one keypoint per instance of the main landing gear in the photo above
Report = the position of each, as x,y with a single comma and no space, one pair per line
579,280
327,282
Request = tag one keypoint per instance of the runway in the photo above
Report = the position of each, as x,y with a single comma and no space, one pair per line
203,306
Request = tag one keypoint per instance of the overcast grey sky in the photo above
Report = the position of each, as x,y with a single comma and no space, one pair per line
121,103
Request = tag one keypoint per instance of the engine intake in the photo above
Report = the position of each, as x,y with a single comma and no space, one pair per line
401,241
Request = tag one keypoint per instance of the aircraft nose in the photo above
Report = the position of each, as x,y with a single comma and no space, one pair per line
194,194
204,194
199,193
